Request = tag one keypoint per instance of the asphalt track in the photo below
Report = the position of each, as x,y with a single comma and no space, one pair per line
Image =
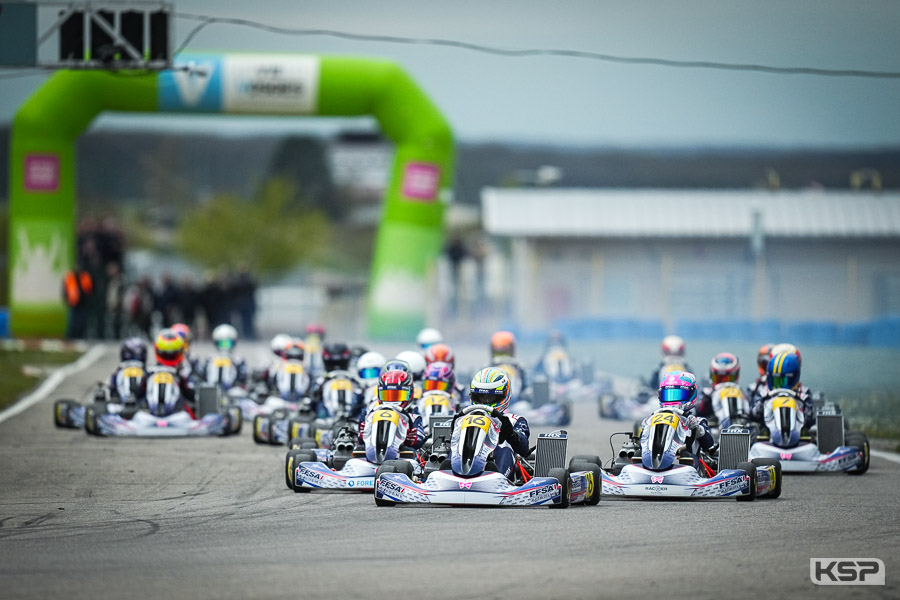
86,517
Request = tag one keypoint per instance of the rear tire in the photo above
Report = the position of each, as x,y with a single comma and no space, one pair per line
750,469
385,468
562,476
588,458
771,462
858,439
594,497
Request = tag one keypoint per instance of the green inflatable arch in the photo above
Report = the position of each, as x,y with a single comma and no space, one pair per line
42,165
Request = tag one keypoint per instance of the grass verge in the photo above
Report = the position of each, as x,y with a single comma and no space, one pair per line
22,371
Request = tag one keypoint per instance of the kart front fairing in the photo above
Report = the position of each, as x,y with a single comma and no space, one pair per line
489,488
144,424
681,482
806,458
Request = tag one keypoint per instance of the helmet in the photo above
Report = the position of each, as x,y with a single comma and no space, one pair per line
556,338
278,344
762,357
490,387
134,348
369,365
783,371
396,364
673,345
336,355
295,349
503,343
315,328
225,337
439,376
415,361
395,388
169,348
782,348
724,367
185,332
440,353
679,388
428,337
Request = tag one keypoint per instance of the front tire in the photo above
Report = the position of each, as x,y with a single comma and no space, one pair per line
587,458
290,465
61,413
594,497
771,462
750,469
562,476
858,439
385,468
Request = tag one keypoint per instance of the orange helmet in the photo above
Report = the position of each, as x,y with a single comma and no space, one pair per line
503,343
169,348
762,357
440,353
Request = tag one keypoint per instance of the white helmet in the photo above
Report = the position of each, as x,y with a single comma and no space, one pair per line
278,344
429,336
672,345
415,361
368,366
225,337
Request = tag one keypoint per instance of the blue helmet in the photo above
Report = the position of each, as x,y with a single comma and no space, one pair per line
134,348
678,388
783,371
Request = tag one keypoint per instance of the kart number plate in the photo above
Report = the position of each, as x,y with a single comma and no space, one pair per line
135,372
479,421
386,415
222,361
293,368
784,403
669,419
341,384
163,379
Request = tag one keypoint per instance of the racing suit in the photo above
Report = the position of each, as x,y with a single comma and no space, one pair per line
240,366
758,404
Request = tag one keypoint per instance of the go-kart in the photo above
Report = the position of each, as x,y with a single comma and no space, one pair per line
299,418
384,434
71,414
656,463
163,413
828,447
470,477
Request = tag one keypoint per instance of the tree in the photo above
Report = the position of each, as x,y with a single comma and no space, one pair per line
268,232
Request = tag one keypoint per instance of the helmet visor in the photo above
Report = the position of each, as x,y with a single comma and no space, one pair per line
394,396
225,344
678,395
369,372
486,397
779,382
431,384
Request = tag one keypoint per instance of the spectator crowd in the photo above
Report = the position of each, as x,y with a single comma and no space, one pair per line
105,304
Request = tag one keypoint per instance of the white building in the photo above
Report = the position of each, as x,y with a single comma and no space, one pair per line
693,256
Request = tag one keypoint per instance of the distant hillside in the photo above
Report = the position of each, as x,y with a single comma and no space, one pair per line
170,167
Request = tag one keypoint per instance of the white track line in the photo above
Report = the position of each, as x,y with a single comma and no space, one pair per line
54,380
891,456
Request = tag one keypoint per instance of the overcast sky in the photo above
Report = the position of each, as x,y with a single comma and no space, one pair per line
580,101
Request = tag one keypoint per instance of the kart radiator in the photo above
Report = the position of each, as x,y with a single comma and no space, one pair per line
829,432
207,400
549,454
734,447
540,390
